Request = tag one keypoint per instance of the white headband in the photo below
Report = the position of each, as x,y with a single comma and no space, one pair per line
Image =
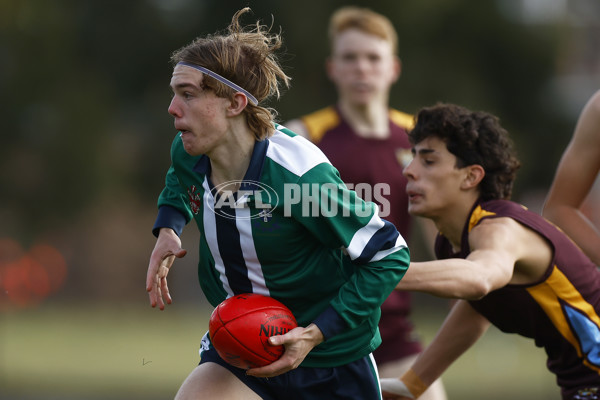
221,79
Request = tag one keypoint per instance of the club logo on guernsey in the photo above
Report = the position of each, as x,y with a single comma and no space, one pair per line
258,198
194,198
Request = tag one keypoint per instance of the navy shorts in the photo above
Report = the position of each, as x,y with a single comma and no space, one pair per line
357,380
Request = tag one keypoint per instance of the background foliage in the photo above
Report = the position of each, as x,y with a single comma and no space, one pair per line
85,86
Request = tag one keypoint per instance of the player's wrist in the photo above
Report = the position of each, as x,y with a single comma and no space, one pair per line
315,334
413,383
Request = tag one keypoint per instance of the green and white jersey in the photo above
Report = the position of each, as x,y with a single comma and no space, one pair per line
293,231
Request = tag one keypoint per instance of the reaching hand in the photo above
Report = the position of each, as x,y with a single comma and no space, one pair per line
167,248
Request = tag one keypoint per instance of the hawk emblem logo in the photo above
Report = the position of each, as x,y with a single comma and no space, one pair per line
195,199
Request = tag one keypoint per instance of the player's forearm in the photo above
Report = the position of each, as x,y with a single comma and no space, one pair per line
452,278
575,224
461,329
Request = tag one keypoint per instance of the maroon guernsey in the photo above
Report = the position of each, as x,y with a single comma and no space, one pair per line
560,312
369,161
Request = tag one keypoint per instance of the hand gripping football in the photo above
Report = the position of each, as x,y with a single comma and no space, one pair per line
240,327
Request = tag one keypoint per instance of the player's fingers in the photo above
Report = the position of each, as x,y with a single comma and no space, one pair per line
151,275
159,298
164,288
153,268
276,340
290,360
157,269
151,286
278,367
287,338
152,297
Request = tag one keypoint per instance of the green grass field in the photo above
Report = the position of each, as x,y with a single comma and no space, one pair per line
130,351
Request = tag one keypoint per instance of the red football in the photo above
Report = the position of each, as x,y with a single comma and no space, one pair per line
240,327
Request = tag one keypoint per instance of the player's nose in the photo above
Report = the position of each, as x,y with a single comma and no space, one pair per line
174,108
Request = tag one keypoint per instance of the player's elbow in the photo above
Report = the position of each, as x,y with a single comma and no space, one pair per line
481,285
471,289
477,289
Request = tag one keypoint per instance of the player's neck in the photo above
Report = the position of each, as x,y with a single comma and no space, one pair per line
452,223
368,121
230,162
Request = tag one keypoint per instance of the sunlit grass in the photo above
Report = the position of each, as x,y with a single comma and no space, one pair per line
117,351
125,351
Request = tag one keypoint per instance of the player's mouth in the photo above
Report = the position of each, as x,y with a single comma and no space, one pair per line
180,125
413,195
183,130
362,88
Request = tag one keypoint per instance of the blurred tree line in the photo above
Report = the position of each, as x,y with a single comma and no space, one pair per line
86,133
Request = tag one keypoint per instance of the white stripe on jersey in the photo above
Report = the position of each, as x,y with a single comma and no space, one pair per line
210,231
243,223
363,235
296,154
400,243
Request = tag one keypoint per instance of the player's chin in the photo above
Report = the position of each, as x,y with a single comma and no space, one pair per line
416,209
362,97
190,148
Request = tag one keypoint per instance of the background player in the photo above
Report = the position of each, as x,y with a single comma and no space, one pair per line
332,271
367,142
577,171
513,268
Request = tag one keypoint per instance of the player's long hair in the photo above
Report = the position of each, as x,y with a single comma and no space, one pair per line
475,138
247,58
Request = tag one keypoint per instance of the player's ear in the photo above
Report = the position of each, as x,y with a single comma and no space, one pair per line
474,175
237,105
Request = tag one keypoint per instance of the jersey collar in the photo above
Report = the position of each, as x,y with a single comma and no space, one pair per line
253,172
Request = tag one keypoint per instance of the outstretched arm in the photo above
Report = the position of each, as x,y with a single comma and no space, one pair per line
496,246
461,329
502,251
575,175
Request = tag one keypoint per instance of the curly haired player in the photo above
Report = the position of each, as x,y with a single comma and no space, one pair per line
509,266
